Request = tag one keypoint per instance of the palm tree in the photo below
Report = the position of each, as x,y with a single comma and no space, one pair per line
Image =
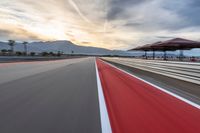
11,43
25,47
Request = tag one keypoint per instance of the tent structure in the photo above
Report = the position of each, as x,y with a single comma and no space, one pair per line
149,47
170,45
144,48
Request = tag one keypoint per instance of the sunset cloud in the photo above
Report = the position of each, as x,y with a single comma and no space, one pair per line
114,24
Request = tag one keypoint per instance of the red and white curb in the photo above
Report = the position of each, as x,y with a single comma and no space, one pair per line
105,122
157,87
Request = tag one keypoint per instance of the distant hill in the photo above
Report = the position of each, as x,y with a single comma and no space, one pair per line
66,47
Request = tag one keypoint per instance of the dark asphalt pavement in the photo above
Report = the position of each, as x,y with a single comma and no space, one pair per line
61,100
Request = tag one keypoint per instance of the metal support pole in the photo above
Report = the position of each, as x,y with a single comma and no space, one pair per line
181,55
145,54
153,54
165,55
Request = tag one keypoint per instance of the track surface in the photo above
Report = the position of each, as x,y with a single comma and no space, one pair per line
49,97
62,97
137,107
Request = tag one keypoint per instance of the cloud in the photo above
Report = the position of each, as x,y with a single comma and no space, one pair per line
74,5
4,33
189,11
117,8
18,33
114,24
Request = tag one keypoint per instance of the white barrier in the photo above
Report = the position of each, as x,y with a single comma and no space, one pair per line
186,71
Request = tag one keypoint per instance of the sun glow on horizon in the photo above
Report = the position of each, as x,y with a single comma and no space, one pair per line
111,24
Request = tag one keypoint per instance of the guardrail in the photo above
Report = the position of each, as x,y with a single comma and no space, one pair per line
186,71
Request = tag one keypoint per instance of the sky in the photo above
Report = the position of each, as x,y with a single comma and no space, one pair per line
112,24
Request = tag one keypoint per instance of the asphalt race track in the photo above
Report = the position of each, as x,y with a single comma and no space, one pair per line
63,96
49,97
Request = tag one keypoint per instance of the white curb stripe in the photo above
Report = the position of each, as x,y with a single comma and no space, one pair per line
157,87
105,122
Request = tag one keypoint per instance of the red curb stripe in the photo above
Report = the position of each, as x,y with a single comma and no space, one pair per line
137,107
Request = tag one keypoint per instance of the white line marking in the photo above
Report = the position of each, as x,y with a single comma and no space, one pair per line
166,91
105,122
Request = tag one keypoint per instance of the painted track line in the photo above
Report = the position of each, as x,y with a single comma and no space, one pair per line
105,122
157,87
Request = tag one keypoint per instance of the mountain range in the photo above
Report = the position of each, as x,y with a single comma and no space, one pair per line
66,47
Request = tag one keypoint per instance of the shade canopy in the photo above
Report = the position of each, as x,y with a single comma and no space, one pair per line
170,45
